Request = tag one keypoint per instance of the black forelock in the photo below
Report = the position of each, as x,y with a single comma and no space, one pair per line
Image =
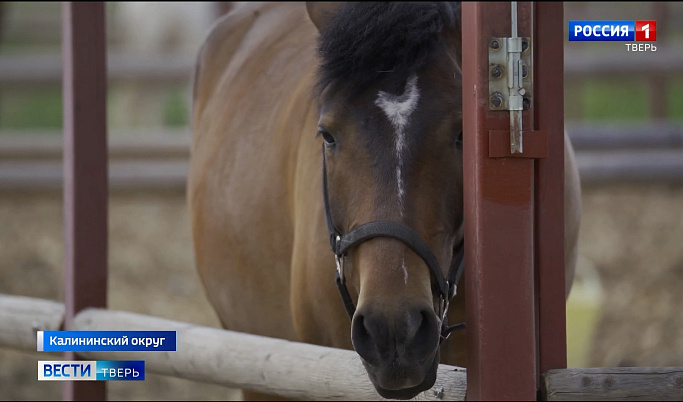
364,40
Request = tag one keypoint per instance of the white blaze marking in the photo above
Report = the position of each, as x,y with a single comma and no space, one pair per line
398,109
405,270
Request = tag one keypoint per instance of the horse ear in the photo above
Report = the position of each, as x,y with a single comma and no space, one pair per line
320,12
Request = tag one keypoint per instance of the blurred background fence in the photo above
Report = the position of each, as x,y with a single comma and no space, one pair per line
623,111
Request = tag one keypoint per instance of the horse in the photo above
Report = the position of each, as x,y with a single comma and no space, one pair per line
368,96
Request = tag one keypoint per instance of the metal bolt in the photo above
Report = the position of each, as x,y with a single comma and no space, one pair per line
524,72
526,103
525,45
496,99
497,71
495,44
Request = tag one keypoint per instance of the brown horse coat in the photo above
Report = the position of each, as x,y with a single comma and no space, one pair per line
254,191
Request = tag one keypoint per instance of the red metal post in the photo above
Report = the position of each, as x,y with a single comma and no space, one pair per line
499,233
549,115
658,82
85,171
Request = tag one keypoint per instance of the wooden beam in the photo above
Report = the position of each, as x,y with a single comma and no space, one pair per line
216,356
84,92
614,384
272,366
36,70
298,370
21,317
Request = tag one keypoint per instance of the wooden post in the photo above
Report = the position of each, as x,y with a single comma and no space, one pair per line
85,171
657,82
499,225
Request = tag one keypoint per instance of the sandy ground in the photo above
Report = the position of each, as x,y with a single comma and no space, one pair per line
634,237
151,272
631,236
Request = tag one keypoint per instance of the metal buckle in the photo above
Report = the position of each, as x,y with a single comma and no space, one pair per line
340,266
454,292
443,306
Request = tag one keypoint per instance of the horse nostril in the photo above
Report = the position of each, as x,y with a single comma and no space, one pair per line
359,329
410,335
366,335
427,330
421,334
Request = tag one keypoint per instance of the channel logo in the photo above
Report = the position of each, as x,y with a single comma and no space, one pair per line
625,31
646,31
95,370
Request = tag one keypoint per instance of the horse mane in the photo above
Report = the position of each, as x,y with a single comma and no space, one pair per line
364,40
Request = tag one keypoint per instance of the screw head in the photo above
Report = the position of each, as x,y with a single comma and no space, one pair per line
525,44
496,99
494,44
526,103
497,71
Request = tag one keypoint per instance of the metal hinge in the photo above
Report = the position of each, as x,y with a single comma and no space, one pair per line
510,83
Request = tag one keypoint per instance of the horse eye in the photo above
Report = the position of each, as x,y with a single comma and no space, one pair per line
327,137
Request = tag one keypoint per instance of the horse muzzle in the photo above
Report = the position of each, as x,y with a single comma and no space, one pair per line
393,383
400,350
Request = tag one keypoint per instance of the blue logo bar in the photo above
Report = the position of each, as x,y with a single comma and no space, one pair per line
127,370
106,341
602,30
102,370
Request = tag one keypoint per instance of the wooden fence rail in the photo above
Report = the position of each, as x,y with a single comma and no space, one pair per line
298,370
40,70
577,63
233,359
154,160
30,70
614,384
21,317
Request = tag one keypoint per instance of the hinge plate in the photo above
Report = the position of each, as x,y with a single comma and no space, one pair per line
498,72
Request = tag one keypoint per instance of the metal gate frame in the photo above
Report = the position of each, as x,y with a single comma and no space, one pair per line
514,205
84,94
514,209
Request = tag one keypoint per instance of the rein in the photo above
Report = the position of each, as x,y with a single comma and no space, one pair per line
341,243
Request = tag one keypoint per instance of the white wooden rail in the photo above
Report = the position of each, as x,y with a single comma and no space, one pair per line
233,359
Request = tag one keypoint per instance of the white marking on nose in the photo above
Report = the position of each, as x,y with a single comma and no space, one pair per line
398,109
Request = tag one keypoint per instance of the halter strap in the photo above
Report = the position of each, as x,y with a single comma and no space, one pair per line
341,243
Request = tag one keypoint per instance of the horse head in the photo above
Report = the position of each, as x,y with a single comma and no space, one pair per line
390,120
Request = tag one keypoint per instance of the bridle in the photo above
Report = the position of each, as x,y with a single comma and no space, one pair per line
341,243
